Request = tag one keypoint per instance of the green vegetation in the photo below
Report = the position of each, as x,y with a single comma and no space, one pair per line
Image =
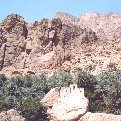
24,93
109,90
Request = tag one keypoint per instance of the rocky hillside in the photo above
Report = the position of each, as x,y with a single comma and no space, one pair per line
63,42
106,26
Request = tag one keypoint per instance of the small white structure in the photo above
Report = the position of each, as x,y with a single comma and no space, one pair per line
71,90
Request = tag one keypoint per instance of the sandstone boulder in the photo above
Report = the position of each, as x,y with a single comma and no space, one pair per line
66,104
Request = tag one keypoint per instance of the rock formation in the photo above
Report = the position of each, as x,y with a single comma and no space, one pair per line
63,42
12,41
105,25
100,117
66,104
49,45
70,104
41,46
67,18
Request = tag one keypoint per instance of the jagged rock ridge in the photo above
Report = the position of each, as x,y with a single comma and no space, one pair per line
106,26
67,18
49,45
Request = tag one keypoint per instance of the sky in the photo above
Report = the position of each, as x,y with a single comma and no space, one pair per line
34,10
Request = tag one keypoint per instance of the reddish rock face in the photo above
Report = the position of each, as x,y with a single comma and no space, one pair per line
22,44
48,45
12,41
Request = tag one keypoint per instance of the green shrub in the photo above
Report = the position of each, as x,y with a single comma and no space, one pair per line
22,93
3,105
33,111
60,79
109,89
85,80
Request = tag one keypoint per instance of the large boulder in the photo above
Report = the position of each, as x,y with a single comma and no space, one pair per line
66,104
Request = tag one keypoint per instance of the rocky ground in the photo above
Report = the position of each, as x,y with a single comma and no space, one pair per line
11,115
63,42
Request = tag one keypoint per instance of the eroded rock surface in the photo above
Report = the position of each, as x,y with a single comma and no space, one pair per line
100,117
70,104
12,41
40,46
63,42
66,104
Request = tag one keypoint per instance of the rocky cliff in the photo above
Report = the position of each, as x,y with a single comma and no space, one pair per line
62,42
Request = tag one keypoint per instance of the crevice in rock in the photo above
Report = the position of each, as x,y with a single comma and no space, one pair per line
55,39
2,63
25,30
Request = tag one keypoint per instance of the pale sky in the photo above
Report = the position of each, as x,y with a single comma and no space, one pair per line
33,10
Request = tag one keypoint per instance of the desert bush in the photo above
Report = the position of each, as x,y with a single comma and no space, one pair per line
85,79
41,82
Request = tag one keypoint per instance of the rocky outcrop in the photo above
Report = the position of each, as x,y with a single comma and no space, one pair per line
67,18
41,46
105,25
49,45
62,105
11,115
12,41
100,117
